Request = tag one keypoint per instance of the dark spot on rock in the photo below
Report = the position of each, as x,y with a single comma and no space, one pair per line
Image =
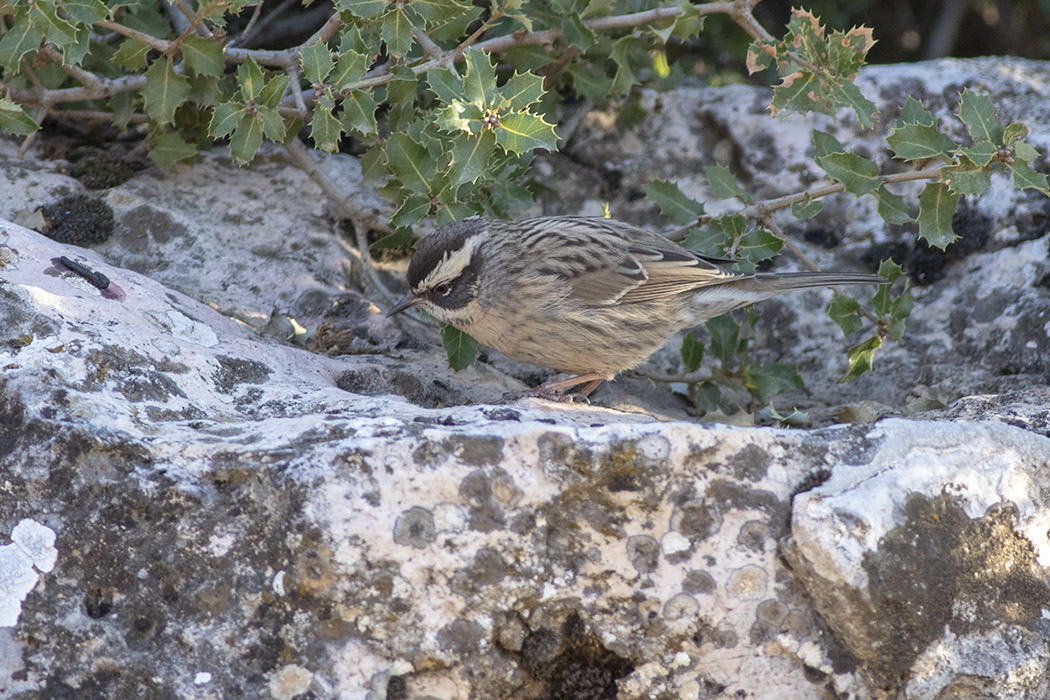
234,371
396,688
750,463
825,238
461,637
811,481
415,528
102,170
98,602
78,219
696,519
501,413
643,551
753,535
697,581
573,665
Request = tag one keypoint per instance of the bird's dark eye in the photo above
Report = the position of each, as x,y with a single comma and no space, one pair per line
444,289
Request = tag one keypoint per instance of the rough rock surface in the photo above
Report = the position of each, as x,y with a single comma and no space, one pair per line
191,507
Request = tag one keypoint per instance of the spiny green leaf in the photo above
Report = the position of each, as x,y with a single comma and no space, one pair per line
411,162
918,141
807,208
165,90
316,61
325,129
914,113
692,351
460,348
978,113
764,380
14,120
981,154
414,208
861,358
446,85
479,80
522,90
203,56
709,399
225,119
890,271
936,206
271,94
365,9
576,32
965,178
759,244
131,54
397,32
892,207
56,29
454,117
359,110
1016,131
520,132
470,156
678,208
437,12
589,80
273,124
246,139
1024,151
848,94
843,311
19,40
1026,178
86,11
825,144
624,78
722,183
856,173
397,239
350,68
725,334
250,79
168,149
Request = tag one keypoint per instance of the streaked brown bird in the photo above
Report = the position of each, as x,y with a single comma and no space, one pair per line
584,295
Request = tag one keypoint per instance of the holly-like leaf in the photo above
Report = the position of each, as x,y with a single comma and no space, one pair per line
411,162
914,113
246,138
521,132
807,208
397,32
365,9
325,129
317,62
273,124
271,94
576,32
359,110
19,40
624,78
446,85
861,358
1026,178
725,335
856,173
936,207
14,120
678,208
918,142
414,208
86,11
965,178
437,12
350,68
843,311
1016,131
460,348
722,183
692,351
470,156
889,271
46,19
981,154
764,380
168,149
848,94
132,54
589,80
225,119
522,90
479,80
203,56
978,113
164,91
250,79
892,207
758,244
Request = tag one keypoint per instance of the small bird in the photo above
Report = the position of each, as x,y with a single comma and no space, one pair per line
584,295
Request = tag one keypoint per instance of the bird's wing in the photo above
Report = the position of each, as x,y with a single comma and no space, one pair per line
608,262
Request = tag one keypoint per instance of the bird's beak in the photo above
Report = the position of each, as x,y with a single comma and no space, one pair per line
406,302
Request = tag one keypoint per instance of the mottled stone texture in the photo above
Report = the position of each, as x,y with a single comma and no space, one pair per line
191,507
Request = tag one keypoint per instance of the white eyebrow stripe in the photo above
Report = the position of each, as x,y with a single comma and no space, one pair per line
451,265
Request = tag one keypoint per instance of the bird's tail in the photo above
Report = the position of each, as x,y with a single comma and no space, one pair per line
773,282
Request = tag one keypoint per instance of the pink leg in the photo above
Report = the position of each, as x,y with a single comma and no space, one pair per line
591,379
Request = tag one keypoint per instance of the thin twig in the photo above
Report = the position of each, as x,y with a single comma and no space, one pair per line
251,23
775,229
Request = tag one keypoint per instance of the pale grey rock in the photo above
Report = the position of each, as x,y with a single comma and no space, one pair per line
234,514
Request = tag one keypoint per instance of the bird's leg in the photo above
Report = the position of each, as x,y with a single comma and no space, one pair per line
591,380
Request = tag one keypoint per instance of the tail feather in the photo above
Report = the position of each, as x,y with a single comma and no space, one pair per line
783,281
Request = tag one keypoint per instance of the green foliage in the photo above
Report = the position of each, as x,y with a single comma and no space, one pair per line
460,348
